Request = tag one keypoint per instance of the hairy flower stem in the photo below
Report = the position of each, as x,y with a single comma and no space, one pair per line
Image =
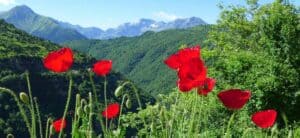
105,99
23,114
93,87
33,120
49,121
38,116
122,104
68,102
229,124
91,115
173,115
96,102
75,121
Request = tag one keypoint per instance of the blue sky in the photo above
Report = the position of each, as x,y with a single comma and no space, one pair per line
111,13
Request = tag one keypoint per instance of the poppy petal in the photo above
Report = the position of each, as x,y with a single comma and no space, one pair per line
102,67
59,61
59,125
111,111
208,86
265,118
176,60
234,98
191,74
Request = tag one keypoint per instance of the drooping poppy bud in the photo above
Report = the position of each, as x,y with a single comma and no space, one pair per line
128,103
118,91
24,97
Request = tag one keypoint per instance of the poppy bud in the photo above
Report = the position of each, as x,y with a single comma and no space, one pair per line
86,109
10,136
128,103
83,102
24,97
118,91
77,100
79,112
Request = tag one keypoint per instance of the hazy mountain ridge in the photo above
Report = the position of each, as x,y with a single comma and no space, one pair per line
51,29
25,19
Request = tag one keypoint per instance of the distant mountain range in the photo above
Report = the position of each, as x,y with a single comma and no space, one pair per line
51,29
25,19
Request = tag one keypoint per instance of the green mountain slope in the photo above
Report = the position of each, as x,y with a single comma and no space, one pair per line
20,52
141,58
25,19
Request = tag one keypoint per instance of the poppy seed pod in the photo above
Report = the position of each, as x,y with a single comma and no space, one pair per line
24,97
118,91
128,103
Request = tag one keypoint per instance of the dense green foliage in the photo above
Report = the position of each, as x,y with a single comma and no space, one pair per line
258,48
141,58
254,47
44,27
20,52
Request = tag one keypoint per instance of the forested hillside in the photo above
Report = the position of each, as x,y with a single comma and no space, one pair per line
20,52
141,58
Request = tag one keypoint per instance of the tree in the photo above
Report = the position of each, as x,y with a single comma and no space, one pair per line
269,31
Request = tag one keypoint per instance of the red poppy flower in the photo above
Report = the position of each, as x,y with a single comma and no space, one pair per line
59,125
111,111
176,60
102,67
208,86
264,119
234,98
192,74
60,60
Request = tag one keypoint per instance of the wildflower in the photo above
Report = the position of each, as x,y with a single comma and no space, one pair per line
102,67
176,60
265,118
208,86
111,111
191,74
234,98
59,125
59,61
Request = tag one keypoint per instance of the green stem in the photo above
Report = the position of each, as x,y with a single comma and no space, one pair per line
47,127
91,115
99,117
33,120
39,116
75,122
229,124
93,87
23,114
68,102
123,99
105,100
173,114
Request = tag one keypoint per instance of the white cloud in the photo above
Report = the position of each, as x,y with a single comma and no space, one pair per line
7,2
164,16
